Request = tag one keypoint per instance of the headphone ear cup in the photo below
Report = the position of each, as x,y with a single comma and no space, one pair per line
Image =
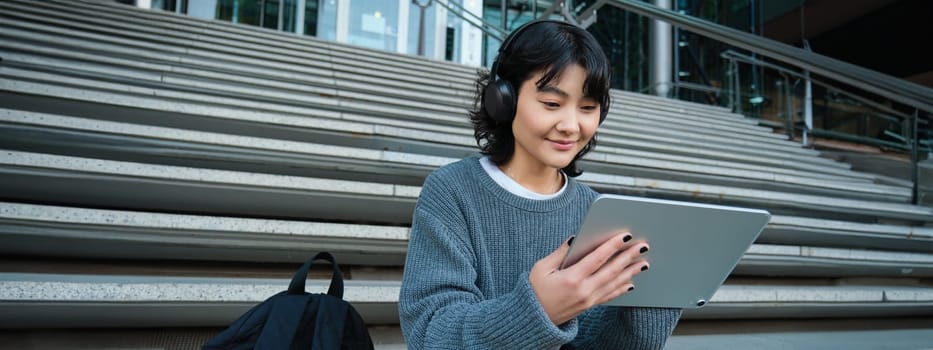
499,101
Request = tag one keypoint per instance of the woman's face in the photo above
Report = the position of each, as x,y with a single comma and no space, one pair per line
553,123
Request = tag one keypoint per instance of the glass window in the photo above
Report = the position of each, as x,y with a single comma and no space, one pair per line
311,20
288,15
179,6
492,14
464,41
271,14
414,20
454,27
374,24
239,11
203,8
327,20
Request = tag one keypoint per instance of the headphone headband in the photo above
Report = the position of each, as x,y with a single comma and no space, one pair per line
494,72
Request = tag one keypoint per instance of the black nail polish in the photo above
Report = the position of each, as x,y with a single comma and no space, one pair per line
631,288
643,268
570,241
643,250
627,238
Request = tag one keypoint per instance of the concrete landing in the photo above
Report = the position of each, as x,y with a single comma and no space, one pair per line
851,340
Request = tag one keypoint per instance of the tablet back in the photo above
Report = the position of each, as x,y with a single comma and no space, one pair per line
694,246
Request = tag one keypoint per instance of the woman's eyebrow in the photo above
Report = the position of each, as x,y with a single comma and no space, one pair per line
553,90
561,93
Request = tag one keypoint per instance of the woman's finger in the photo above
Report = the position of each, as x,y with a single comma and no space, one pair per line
621,284
553,260
633,254
599,256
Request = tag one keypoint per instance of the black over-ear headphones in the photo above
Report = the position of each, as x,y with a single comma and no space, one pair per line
499,97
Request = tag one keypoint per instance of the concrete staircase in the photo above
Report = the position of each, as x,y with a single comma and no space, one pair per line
164,172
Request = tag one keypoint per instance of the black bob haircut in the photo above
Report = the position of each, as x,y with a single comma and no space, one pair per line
550,47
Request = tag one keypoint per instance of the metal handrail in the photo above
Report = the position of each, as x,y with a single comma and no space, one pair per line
731,54
483,26
683,84
892,88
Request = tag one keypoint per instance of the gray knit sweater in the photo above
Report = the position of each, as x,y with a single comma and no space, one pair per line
466,275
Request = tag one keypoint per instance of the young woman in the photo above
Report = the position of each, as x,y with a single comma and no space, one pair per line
482,269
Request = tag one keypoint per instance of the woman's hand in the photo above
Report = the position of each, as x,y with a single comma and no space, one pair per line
602,275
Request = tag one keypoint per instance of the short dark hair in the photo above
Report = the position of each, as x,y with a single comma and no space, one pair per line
550,47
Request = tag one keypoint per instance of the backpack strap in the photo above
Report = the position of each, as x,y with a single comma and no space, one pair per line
297,286
288,308
330,325
283,321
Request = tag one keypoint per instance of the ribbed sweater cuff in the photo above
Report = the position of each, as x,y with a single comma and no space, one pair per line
525,325
642,327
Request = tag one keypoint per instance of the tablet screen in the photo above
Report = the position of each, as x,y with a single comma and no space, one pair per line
694,246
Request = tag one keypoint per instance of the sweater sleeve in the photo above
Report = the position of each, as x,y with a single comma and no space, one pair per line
441,307
617,327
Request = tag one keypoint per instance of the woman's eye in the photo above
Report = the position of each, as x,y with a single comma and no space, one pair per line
551,104
590,108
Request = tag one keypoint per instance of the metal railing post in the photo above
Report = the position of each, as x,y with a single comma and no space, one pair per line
788,108
727,85
487,28
807,109
737,89
914,158
423,8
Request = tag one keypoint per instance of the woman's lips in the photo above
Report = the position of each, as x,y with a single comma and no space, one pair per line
563,145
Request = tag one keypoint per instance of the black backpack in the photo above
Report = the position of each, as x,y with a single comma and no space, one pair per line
295,319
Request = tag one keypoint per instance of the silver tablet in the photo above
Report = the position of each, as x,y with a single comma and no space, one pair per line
694,246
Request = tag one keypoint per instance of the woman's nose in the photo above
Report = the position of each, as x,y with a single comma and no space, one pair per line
569,122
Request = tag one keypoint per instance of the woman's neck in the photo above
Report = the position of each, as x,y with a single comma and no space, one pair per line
538,178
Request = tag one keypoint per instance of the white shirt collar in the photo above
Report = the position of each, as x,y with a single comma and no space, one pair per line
514,187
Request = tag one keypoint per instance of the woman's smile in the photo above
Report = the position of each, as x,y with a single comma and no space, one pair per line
563,145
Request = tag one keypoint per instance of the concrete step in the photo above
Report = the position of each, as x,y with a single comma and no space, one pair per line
78,177
776,168
832,233
777,202
39,300
182,338
797,260
678,114
75,232
684,109
82,301
766,180
673,102
623,120
77,136
857,334
86,181
861,334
